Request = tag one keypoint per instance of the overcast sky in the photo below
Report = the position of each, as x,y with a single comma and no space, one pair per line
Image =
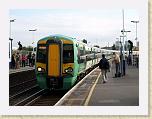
96,26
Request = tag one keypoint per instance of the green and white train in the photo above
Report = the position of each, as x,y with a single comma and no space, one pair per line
62,60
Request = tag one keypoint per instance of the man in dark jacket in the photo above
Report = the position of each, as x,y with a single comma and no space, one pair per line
130,46
104,66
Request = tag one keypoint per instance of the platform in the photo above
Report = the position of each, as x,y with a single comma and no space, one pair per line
122,91
21,69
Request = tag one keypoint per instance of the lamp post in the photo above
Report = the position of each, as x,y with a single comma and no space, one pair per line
136,29
118,41
125,32
10,45
122,56
32,30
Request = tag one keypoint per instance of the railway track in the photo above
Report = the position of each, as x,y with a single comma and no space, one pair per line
34,96
19,97
47,99
52,97
20,87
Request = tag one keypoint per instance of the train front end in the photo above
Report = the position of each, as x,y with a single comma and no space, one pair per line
55,63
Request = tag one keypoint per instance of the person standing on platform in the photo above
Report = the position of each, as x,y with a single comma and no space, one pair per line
13,61
130,46
23,60
17,60
30,59
129,60
116,60
33,59
104,66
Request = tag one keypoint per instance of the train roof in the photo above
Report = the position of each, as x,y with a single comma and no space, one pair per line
58,36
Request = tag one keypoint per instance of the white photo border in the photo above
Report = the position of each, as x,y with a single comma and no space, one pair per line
141,6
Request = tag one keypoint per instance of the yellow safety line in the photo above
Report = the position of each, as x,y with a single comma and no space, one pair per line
92,89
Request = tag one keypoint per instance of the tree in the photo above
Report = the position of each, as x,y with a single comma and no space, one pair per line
114,47
96,46
30,48
84,41
24,48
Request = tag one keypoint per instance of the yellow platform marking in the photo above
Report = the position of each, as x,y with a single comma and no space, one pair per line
91,91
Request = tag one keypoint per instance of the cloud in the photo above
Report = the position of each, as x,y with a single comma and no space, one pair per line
89,24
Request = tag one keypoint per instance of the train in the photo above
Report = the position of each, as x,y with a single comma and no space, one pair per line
61,61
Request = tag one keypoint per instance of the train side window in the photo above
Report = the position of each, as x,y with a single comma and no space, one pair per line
88,55
80,55
93,52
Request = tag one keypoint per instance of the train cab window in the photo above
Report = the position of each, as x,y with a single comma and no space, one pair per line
68,53
41,53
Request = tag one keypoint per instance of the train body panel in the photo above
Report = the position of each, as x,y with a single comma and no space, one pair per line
41,80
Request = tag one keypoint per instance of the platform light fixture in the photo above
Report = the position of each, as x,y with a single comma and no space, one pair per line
10,38
136,29
32,30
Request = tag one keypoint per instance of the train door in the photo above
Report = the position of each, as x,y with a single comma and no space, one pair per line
54,60
54,63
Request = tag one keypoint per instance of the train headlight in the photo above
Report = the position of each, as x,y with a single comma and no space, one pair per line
68,70
39,69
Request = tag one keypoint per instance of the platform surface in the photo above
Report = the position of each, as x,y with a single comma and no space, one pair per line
122,91
21,69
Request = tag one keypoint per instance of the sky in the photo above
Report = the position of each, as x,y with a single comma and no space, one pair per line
97,26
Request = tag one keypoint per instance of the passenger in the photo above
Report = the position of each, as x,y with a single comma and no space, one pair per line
33,59
104,66
20,61
17,61
129,60
23,60
30,59
116,60
26,60
130,46
13,61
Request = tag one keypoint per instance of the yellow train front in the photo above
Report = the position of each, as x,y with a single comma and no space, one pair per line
61,60
55,62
